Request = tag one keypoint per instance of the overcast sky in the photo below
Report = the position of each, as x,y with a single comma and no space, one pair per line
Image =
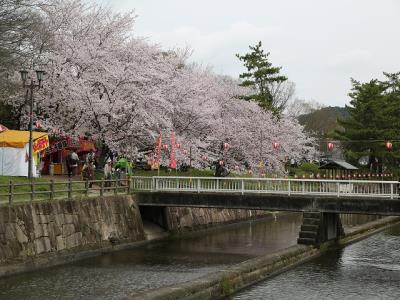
320,44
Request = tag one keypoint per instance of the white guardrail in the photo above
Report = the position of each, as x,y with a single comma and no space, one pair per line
361,188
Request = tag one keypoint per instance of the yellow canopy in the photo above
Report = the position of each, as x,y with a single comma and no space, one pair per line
18,139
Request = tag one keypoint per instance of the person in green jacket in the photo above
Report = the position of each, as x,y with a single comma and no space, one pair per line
123,167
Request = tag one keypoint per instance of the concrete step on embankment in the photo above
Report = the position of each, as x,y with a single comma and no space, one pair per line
313,215
306,241
308,234
311,221
306,227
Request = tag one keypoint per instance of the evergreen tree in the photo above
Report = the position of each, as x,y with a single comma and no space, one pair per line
374,119
264,80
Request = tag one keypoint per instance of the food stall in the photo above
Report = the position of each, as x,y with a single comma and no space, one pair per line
56,155
14,152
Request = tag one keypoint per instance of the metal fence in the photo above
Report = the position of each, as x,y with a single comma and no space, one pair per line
338,188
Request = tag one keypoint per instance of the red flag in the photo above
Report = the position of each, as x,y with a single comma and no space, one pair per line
172,160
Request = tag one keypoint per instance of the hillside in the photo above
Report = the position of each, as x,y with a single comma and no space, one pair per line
323,121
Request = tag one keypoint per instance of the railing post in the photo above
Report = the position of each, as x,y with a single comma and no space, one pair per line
10,192
102,188
217,187
242,187
338,189
157,183
116,186
289,187
32,190
198,185
153,184
51,189
302,186
69,189
391,191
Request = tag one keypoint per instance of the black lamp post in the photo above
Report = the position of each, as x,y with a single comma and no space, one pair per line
30,87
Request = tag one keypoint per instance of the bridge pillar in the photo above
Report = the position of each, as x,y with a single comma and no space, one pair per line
320,227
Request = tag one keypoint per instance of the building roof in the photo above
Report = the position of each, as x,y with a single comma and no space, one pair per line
338,164
18,138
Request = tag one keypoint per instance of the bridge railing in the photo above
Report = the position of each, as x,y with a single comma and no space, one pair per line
384,189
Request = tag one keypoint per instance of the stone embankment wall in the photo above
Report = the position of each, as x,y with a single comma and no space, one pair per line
183,218
43,234
30,231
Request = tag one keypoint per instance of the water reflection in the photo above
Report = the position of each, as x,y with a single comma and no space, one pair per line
116,275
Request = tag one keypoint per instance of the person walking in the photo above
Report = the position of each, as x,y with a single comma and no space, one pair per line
108,172
88,173
74,163
68,163
123,169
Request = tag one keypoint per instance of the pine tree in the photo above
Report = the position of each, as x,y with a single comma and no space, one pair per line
374,119
264,79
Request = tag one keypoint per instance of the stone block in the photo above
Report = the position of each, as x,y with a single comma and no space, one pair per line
10,232
43,219
41,230
60,243
35,218
20,234
73,240
55,228
42,245
59,219
2,227
68,229
70,218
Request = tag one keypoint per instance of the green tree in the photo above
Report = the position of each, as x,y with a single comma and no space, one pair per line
268,85
374,119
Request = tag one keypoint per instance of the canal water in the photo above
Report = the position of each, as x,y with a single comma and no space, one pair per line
173,260
369,269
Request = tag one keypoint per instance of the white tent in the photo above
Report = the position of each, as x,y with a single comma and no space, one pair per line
14,152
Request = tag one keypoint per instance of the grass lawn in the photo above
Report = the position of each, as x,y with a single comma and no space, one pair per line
22,189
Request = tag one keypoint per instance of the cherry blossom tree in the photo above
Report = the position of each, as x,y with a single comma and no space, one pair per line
104,82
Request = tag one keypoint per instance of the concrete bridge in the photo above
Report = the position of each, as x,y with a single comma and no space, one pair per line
321,201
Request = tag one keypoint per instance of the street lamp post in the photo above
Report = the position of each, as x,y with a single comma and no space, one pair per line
30,87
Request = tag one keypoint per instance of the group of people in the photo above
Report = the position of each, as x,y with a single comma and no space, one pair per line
120,167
